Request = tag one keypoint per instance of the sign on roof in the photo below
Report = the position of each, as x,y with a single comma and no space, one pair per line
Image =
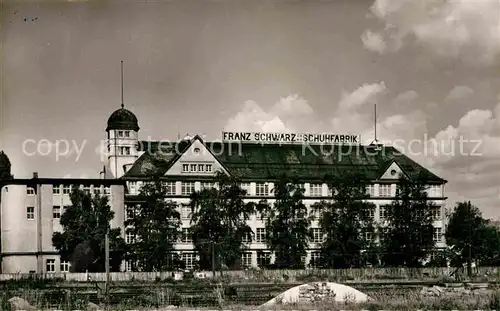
303,138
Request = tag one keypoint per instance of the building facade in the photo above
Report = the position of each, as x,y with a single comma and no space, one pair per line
31,210
190,165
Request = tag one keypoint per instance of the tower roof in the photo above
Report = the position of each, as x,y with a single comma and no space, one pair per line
122,119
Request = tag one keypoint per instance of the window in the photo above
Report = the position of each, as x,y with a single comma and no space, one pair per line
30,191
132,187
185,167
197,150
129,238
107,190
434,191
187,187
30,212
436,213
247,238
201,167
246,260
263,259
317,235
170,188
384,212
188,259
120,134
315,190
385,190
56,189
367,235
129,212
128,266
437,236
245,186
185,212
193,167
369,213
315,259
86,189
208,168
261,235
370,190
64,266
124,151
261,189
207,185
50,265
262,216
66,189
186,236
56,212
126,133
97,190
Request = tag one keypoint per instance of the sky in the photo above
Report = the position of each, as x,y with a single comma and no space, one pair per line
204,66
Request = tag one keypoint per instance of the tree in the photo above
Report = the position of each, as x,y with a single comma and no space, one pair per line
85,223
219,222
287,225
347,222
471,238
155,224
409,239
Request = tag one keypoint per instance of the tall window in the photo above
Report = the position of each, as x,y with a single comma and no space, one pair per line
30,212
188,259
437,236
315,190
384,212
56,189
436,213
129,212
185,167
56,212
186,236
129,238
317,235
50,265
65,266
262,189
260,236
66,189
132,187
187,187
385,190
246,260
370,190
315,259
208,167
185,212
263,259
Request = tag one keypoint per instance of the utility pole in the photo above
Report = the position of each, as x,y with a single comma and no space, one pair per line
469,246
106,264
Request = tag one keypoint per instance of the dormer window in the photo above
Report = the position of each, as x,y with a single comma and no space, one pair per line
126,133
120,134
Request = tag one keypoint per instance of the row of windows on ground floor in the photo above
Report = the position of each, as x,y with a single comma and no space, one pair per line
259,235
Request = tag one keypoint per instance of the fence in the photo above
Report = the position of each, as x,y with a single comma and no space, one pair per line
249,276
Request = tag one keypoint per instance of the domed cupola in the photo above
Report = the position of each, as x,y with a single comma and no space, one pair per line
123,119
4,166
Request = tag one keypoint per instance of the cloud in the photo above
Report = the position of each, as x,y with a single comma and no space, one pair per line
405,97
374,42
462,29
289,114
459,92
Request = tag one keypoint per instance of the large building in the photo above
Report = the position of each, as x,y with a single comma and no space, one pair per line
189,165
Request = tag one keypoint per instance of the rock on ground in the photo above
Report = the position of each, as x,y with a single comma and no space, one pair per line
17,303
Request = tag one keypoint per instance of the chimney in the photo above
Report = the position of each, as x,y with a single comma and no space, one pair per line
35,174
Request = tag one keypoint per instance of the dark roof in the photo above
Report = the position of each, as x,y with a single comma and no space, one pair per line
254,161
123,119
